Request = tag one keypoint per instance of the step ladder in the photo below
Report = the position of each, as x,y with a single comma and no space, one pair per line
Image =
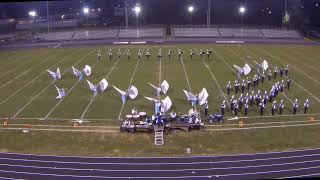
158,135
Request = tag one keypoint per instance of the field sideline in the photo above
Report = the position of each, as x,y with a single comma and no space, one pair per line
27,92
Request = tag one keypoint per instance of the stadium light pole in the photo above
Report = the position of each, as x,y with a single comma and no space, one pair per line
126,13
48,15
137,10
191,10
33,15
86,11
242,11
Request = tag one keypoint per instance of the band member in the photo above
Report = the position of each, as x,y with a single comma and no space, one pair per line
246,108
306,106
281,107
261,108
273,108
206,107
223,107
243,85
275,72
269,75
288,83
228,88
99,55
286,69
295,106
236,86
248,83
281,71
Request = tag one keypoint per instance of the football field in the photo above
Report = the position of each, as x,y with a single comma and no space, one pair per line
28,94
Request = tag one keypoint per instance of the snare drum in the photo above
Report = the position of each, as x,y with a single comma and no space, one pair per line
129,117
136,117
142,115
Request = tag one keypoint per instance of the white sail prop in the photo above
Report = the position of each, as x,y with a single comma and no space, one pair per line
163,87
203,96
244,70
158,89
166,104
190,96
102,86
55,75
61,93
87,70
132,92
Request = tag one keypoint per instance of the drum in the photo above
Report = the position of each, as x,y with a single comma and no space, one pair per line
129,117
136,117
142,115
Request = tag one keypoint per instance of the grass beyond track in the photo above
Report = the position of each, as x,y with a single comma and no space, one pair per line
28,94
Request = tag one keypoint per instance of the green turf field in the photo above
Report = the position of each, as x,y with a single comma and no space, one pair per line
27,92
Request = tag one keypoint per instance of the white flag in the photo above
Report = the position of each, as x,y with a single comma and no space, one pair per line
75,71
166,104
190,96
58,73
122,93
265,65
203,96
87,70
52,74
103,85
92,87
61,93
133,92
152,99
239,69
164,87
246,69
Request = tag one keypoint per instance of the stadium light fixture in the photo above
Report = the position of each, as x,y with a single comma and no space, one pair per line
137,9
86,10
32,13
242,9
190,9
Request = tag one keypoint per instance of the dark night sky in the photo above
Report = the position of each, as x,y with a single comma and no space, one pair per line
174,11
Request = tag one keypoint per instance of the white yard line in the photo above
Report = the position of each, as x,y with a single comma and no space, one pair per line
222,58
38,94
24,73
185,74
214,78
21,64
274,57
56,46
93,98
35,78
133,74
